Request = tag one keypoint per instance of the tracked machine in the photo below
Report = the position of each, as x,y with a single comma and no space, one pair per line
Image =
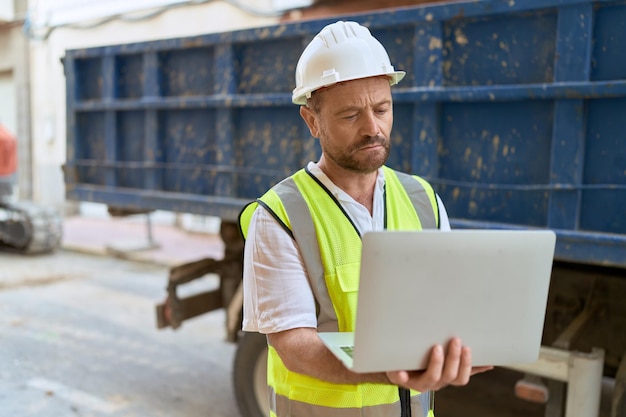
25,227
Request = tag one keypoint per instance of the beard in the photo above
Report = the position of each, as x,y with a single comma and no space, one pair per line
350,158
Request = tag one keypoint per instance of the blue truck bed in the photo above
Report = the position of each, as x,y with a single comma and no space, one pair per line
514,110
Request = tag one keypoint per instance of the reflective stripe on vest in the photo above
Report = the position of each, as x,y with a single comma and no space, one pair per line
420,194
312,216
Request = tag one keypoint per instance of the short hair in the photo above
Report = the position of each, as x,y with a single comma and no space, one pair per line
314,102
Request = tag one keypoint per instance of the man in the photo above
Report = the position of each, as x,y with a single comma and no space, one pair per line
304,239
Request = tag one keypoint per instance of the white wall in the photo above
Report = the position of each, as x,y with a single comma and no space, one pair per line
48,81
7,10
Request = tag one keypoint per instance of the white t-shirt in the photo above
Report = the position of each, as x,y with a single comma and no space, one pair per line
276,293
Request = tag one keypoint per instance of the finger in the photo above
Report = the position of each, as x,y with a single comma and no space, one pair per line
398,377
432,374
423,380
465,367
452,362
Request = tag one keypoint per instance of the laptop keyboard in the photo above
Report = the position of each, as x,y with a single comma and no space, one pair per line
348,349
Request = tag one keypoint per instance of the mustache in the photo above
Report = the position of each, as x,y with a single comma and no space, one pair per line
372,140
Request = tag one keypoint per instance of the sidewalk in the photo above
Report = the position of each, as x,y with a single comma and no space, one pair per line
127,238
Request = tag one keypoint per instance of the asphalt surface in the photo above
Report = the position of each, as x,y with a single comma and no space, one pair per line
78,338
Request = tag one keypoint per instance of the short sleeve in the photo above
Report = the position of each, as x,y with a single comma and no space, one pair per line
277,295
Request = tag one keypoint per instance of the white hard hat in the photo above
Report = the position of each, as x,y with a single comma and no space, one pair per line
342,51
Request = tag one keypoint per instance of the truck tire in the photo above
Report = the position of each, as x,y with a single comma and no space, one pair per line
250,375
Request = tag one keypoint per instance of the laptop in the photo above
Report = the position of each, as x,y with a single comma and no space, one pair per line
421,288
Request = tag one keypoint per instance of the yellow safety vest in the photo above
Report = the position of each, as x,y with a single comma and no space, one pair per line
305,208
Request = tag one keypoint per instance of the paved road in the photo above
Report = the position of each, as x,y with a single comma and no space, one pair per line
77,338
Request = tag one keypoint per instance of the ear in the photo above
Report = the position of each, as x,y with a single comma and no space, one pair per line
310,118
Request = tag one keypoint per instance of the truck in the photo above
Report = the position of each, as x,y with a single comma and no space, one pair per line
513,110
25,227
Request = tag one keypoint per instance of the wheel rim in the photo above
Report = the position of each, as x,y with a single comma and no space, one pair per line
260,383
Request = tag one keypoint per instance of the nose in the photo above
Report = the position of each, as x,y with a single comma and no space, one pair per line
370,126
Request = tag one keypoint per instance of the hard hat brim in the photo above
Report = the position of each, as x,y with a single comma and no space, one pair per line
301,95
